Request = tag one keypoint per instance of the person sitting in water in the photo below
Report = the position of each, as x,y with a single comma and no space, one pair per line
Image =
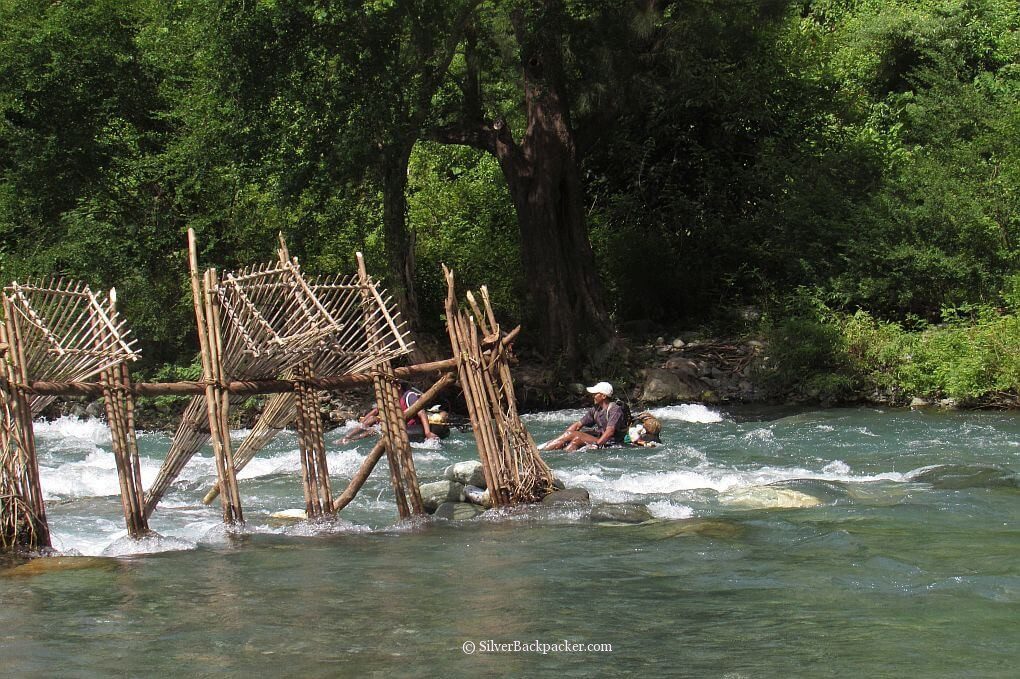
418,427
602,425
368,425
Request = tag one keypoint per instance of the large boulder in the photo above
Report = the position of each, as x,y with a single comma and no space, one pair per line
567,496
435,494
458,511
663,385
468,473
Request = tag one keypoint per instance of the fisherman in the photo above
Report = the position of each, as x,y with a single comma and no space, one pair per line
604,424
368,425
418,427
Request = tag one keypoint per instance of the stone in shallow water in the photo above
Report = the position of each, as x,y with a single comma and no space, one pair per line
621,513
468,473
956,476
567,496
435,494
709,528
54,564
458,511
768,497
287,517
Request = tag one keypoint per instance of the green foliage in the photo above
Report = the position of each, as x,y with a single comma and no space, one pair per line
460,214
865,150
973,356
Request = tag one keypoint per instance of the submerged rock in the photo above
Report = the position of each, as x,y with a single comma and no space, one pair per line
769,497
458,511
468,473
567,496
54,564
435,494
955,476
709,528
621,513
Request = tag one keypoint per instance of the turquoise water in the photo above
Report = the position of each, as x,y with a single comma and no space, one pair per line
854,542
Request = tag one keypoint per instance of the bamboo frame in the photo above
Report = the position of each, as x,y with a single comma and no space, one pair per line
514,471
266,329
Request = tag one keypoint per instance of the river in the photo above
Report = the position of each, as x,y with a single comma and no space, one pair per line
842,542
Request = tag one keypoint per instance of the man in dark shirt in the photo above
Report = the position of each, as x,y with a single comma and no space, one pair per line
601,425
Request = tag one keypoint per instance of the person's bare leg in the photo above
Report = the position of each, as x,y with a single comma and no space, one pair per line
558,442
579,440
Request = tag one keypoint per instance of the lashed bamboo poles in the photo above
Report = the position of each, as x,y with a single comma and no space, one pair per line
531,476
314,470
277,414
23,523
212,366
514,471
344,349
192,433
64,331
120,418
268,306
369,463
394,427
456,324
17,519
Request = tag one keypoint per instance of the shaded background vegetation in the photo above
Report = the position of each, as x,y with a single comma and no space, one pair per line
862,153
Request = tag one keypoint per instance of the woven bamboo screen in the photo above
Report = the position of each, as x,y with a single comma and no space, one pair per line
65,332
275,319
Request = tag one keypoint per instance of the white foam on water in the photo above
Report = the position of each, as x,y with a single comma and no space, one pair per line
71,430
95,476
607,486
664,509
555,416
688,412
153,544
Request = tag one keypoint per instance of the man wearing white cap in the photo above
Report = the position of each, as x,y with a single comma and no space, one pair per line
602,424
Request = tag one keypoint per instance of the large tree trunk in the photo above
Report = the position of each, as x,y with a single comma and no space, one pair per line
399,240
564,291
567,311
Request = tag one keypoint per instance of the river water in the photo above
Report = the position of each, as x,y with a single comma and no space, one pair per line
847,542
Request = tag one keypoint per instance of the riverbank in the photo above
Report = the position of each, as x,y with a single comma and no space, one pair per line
686,367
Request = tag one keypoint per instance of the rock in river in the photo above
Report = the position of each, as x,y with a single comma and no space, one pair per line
435,494
466,473
458,511
567,496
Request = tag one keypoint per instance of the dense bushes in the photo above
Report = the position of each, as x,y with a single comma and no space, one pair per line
973,356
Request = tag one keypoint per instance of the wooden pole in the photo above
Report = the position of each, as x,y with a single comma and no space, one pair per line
359,478
208,373
236,387
36,532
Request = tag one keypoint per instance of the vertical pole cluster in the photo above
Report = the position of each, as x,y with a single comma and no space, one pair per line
120,416
514,471
216,395
394,428
311,441
22,511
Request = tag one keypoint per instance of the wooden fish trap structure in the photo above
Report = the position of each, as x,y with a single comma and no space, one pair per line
267,329
60,331
514,470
